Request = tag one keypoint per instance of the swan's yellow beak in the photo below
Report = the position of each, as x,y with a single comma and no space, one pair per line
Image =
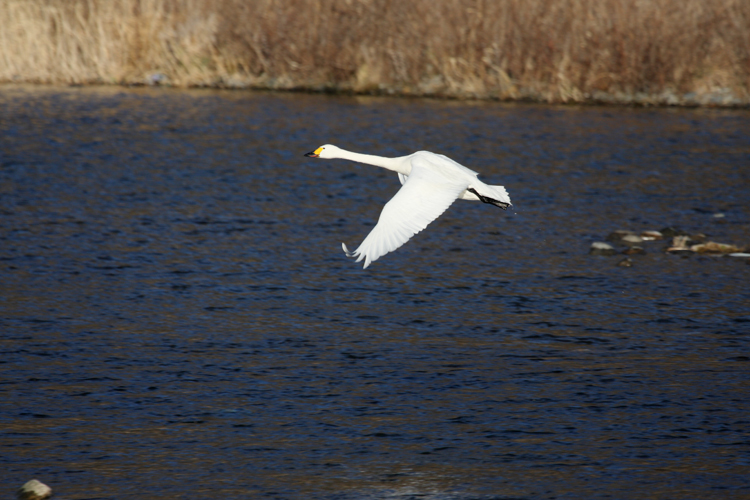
314,154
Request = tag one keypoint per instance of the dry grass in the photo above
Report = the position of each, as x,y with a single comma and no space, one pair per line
553,50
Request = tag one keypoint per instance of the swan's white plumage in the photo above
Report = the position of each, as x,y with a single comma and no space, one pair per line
430,184
425,195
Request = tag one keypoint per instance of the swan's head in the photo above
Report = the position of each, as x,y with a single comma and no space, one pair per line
325,151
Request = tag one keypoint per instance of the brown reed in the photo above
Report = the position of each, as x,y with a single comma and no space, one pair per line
664,51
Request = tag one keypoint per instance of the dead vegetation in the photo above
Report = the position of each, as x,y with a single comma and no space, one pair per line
659,51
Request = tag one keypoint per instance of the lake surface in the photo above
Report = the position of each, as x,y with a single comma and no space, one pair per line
178,320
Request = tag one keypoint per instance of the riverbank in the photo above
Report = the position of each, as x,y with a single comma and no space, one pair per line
661,52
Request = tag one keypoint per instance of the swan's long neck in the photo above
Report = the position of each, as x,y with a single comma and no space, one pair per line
395,164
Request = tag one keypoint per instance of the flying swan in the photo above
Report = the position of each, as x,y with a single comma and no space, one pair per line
431,183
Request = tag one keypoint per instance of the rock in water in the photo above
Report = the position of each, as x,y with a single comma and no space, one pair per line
626,262
632,239
651,235
635,250
697,238
34,490
713,247
601,248
618,235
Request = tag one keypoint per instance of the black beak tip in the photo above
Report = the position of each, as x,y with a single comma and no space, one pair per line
311,154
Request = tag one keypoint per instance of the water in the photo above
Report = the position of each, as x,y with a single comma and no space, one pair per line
179,321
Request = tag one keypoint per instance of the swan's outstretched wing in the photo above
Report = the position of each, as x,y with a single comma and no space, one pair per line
424,196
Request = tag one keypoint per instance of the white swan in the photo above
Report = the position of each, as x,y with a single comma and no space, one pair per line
431,183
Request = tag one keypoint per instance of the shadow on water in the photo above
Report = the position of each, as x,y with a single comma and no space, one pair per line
178,318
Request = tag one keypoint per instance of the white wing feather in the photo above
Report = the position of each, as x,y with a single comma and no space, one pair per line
424,196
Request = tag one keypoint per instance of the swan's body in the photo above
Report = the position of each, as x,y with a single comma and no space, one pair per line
431,183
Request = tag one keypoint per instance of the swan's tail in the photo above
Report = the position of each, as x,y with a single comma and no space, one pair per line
494,195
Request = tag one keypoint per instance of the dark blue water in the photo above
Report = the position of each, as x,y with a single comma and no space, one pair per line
178,319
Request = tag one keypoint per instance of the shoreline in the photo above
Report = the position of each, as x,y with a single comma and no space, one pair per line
719,99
